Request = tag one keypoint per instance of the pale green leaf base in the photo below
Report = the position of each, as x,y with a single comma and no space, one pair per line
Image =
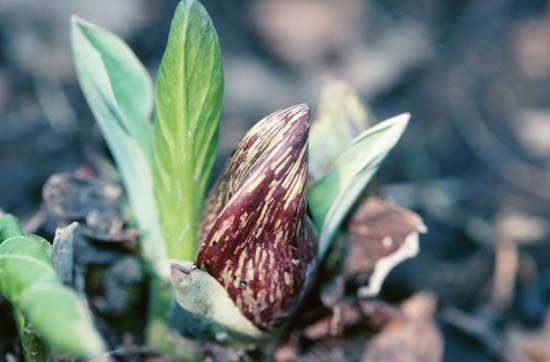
206,311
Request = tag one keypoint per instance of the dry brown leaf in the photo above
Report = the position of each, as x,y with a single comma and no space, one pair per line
110,228
529,346
415,339
70,197
94,201
304,32
521,228
286,353
380,237
344,315
532,58
377,313
371,315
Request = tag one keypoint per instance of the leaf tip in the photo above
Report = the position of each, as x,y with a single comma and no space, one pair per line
300,115
192,5
74,19
401,120
78,23
303,106
297,118
78,29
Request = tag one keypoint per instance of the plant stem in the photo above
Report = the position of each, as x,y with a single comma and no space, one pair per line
160,297
159,335
34,349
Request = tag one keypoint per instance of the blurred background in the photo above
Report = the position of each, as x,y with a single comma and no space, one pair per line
474,162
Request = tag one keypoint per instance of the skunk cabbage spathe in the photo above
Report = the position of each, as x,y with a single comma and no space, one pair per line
258,242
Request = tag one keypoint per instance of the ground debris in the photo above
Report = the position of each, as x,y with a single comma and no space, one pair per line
390,333
110,228
72,197
97,252
95,202
63,251
479,326
334,350
133,354
529,345
380,237
370,315
415,339
119,284
217,353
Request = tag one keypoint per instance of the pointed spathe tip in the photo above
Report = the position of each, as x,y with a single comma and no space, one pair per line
303,106
299,115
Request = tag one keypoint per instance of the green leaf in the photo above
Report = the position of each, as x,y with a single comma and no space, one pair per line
129,82
119,93
331,198
188,96
29,281
61,318
341,117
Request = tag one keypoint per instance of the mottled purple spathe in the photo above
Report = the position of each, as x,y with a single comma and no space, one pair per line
258,242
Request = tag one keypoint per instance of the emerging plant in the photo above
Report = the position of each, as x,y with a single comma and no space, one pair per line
258,241
243,258
46,310
260,251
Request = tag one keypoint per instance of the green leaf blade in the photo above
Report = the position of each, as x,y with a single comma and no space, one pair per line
29,281
118,91
341,117
331,197
131,85
52,304
188,96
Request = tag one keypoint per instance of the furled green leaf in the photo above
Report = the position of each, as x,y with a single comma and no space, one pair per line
208,311
188,96
334,194
341,117
29,281
119,93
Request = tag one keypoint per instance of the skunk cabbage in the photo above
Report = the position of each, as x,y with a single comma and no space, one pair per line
258,241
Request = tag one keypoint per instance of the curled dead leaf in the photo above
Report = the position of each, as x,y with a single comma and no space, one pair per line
380,237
